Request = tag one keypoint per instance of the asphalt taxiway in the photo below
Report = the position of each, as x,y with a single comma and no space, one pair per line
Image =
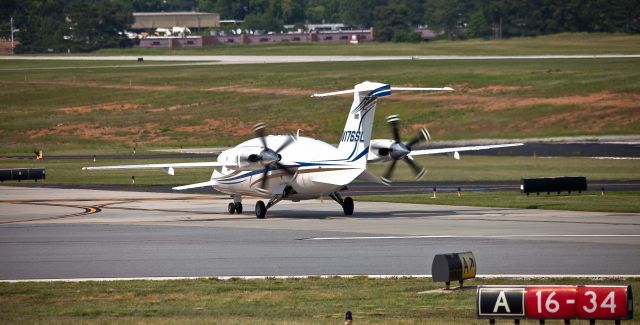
67,233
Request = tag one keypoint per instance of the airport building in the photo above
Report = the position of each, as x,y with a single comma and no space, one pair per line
192,20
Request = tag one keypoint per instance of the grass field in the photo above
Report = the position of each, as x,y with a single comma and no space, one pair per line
274,301
550,44
441,168
117,107
612,201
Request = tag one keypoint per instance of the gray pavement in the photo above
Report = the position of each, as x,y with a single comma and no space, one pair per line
194,60
66,233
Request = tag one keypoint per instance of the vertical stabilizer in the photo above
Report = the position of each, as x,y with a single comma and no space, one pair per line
354,142
355,139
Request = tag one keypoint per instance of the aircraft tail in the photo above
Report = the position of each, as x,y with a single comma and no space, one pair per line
354,143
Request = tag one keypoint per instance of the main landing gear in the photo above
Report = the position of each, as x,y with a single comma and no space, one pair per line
261,208
346,203
236,205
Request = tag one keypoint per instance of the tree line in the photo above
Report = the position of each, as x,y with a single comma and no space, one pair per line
67,25
86,25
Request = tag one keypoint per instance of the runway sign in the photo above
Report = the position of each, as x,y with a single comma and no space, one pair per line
500,302
555,302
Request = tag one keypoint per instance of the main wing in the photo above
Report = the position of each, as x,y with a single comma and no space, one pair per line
458,149
168,166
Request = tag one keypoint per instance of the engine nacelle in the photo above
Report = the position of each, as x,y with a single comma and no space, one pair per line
253,158
380,150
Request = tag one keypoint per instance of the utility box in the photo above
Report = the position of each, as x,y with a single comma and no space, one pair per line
453,267
20,174
554,184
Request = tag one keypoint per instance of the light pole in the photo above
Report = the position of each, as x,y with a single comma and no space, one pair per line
11,35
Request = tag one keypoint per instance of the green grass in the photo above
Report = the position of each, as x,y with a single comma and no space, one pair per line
499,168
441,168
68,172
272,301
308,301
579,43
536,103
612,201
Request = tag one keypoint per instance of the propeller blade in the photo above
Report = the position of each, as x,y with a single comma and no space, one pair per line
263,182
286,143
259,130
422,136
419,171
389,173
393,120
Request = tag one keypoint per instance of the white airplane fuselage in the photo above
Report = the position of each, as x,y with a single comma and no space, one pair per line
312,160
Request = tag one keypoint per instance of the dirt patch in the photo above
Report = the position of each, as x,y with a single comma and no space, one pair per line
229,126
492,103
589,119
106,107
145,131
124,85
494,89
175,107
255,90
237,128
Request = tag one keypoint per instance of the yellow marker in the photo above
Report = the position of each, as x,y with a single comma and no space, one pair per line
468,265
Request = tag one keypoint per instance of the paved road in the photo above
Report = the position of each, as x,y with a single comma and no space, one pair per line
247,59
190,60
63,233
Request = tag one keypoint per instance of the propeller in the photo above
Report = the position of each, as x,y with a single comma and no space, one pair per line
400,150
268,157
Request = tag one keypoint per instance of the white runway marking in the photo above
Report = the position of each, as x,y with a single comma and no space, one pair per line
457,236
378,276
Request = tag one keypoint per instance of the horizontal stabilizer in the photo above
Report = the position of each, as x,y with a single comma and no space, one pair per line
373,87
458,149
422,89
166,166
197,185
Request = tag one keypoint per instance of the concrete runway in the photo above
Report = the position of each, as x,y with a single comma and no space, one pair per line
66,233
195,60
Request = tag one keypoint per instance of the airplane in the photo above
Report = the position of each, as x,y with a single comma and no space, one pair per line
296,168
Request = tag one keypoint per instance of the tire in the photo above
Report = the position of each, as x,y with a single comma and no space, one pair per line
238,208
261,210
347,206
232,208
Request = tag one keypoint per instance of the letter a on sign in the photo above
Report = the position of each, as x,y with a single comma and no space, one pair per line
502,302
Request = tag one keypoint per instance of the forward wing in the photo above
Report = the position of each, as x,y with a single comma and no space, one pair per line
166,166
458,149
197,185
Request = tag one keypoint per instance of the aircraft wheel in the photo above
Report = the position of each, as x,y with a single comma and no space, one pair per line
347,206
238,207
261,210
232,208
